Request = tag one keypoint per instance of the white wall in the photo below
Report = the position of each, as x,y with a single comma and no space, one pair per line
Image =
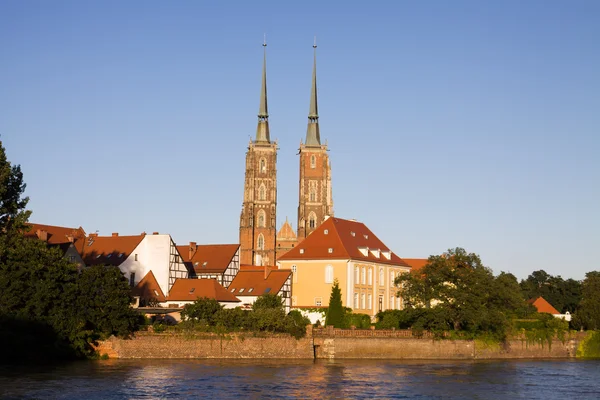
153,254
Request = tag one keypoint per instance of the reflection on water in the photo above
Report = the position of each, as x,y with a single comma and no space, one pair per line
257,379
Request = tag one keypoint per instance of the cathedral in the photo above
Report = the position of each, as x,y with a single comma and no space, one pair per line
260,243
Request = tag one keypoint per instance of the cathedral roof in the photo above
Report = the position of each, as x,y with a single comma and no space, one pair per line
338,238
286,232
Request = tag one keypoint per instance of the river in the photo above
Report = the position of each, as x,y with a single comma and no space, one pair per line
259,379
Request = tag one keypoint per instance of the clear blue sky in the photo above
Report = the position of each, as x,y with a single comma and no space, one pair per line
464,123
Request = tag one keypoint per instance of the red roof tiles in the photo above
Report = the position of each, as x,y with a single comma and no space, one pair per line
416,263
109,250
543,306
55,234
148,288
193,289
338,238
254,282
209,258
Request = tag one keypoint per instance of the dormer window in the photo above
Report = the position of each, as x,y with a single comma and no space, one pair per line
192,290
301,251
364,251
375,253
330,250
196,264
233,290
99,255
366,236
387,254
241,290
250,290
204,263
156,293
326,231
353,234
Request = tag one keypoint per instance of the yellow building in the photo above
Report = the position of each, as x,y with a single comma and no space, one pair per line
348,251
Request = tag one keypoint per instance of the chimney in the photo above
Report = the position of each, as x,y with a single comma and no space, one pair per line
155,233
115,234
42,235
267,271
143,233
193,248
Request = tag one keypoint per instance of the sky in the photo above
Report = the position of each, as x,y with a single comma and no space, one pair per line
450,124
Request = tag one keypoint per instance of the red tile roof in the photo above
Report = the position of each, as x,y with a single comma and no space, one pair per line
286,232
193,289
148,288
109,250
416,263
209,258
254,282
55,234
543,306
338,238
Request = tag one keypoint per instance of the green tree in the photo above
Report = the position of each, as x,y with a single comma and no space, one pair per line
564,295
587,315
462,293
203,309
335,313
268,300
13,215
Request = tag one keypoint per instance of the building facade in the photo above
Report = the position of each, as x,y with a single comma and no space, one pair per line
258,217
348,251
212,261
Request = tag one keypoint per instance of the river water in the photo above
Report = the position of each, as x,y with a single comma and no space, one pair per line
259,379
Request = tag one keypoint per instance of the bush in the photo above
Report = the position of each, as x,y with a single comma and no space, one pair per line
360,321
268,300
202,309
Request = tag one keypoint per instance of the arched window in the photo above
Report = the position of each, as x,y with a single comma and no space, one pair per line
312,221
312,196
381,277
263,165
261,242
262,192
313,161
261,219
329,274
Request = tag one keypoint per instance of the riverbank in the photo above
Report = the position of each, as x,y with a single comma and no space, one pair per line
357,345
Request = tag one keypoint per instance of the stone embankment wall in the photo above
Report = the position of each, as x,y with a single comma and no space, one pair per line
323,344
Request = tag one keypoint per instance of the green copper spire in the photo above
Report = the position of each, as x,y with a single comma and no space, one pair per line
262,131
313,136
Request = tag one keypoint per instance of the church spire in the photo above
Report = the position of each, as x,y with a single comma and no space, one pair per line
313,136
262,130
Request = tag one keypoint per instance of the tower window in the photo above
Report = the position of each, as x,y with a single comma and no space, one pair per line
262,192
263,165
261,242
312,195
261,219
313,161
312,221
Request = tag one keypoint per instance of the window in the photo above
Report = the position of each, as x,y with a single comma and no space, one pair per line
312,196
380,303
366,236
356,275
329,274
156,292
132,279
99,255
294,269
261,242
330,250
313,161
192,290
353,234
381,277
362,301
241,290
136,257
233,290
392,278
363,276
250,290
370,301
326,232
356,300
318,301
301,251
263,165
312,221
262,192
261,219
370,276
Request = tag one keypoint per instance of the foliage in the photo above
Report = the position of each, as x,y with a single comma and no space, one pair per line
545,330
41,290
589,347
267,300
454,291
203,309
564,295
587,315
360,321
335,313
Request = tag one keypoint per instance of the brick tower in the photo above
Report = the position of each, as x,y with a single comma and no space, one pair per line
258,219
315,202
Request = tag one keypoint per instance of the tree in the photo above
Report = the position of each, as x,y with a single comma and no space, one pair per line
268,300
203,309
462,294
587,315
13,215
335,313
564,295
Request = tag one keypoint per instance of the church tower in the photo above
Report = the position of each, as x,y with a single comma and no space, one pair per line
315,203
257,220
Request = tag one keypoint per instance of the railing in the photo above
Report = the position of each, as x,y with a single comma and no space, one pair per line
398,333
